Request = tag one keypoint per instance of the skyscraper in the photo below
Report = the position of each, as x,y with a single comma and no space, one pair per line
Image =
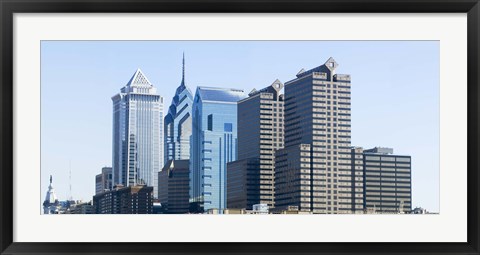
213,145
313,171
137,133
250,179
178,123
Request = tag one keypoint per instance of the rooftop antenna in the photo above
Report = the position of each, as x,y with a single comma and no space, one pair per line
70,179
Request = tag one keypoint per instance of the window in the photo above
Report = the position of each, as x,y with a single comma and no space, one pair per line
210,122
227,127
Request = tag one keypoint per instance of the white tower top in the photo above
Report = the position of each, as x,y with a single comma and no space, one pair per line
51,197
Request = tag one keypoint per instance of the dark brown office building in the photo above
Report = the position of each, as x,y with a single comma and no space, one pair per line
173,187
251,179
313,171
125,200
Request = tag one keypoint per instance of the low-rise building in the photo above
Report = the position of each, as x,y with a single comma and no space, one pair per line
125,200
260,209
226,211
386,180
81,208
419,210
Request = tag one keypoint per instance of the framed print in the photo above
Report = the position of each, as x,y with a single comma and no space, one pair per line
239,127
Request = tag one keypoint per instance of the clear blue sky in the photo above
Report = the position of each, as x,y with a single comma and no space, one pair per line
395,95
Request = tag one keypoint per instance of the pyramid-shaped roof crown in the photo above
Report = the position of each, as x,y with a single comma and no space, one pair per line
139,79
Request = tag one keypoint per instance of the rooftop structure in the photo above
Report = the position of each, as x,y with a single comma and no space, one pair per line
380,150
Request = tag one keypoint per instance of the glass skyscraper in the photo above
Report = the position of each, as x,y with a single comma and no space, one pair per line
137,133
178,123
173,180
213,145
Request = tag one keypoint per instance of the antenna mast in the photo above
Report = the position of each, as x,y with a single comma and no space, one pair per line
70,179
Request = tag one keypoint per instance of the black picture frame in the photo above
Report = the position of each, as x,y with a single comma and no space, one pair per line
10,7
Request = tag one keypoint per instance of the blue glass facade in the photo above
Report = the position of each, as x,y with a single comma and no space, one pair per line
213,145
178,123
137,143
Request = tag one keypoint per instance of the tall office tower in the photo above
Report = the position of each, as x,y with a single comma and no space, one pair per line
104,180
137,133
173,186
250,179
213,145
387,181
313,170
134,199
178,123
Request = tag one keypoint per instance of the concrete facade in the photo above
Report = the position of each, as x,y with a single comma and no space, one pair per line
357,176
104,180
260,133
173,187
387,181
125,200
313,171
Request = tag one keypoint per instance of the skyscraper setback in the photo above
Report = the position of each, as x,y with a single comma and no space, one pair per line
173,180
313,171
178,123
137,133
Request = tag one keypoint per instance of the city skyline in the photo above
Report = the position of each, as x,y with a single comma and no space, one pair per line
375,88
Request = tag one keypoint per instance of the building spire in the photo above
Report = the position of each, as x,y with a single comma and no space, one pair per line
50,179
182,86
183,69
